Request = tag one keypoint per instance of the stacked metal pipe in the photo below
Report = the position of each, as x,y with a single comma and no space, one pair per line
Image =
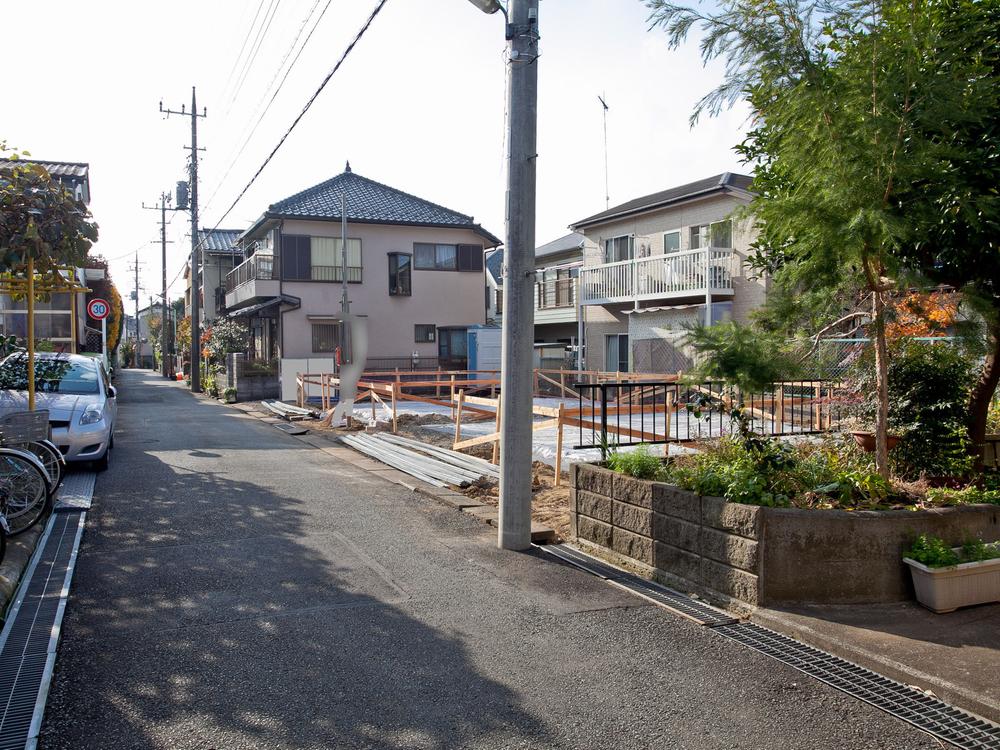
429,463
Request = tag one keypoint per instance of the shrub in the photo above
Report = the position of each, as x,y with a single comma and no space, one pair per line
929,386
639,463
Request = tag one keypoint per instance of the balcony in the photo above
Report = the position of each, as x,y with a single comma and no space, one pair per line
555,301
254,278
689,274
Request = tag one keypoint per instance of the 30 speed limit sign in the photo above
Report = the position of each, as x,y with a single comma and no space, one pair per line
98,309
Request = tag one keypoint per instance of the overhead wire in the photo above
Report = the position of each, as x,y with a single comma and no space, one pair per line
246,38
347,51
255,50
274,96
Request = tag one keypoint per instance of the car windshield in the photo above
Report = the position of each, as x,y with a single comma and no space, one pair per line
51,376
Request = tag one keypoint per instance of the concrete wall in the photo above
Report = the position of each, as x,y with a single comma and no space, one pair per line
441,298
756,555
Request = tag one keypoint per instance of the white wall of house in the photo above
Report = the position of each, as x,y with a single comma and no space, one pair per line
649,229
439,298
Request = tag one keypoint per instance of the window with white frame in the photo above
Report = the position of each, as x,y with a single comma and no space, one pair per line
616,352
672,242
619,248
716,234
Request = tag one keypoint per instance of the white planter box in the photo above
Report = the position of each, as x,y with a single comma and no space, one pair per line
946,589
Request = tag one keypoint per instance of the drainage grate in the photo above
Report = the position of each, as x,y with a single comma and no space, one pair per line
922,711
674,600
30,635
76,491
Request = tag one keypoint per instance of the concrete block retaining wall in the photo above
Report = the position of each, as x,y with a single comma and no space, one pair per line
761,556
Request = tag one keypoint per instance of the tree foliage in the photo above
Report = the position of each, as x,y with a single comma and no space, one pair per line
40,219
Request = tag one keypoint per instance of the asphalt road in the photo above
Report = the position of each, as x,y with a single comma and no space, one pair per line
239,589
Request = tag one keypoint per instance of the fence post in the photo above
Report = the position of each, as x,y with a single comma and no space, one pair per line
604,421
437,388
817,408
452,397
562,382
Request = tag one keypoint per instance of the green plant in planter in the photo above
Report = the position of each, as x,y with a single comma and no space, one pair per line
934,552
639,463
229,395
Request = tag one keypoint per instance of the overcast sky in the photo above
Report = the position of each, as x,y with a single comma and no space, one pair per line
419,105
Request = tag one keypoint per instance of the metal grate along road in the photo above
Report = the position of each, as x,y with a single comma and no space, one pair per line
909,704
30,635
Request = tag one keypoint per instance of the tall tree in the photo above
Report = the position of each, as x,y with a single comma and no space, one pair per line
839,93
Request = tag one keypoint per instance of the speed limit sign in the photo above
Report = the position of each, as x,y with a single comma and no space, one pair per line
98,309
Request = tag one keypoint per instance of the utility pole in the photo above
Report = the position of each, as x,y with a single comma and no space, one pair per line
162,208
195,243
516,392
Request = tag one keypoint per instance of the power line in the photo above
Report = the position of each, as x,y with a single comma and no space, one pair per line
272,9
309,103
246,38
277,91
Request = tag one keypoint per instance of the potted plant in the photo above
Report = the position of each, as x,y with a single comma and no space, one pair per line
946,578
229,395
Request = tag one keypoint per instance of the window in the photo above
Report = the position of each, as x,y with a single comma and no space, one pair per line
452,343
325,337
619,248
400,275
671,242
616,351
307,258
499,303
423,333
717,234
430,257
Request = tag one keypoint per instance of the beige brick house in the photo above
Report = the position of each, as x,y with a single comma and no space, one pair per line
656,264
414,269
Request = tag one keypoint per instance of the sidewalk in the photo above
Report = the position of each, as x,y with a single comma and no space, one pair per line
955,656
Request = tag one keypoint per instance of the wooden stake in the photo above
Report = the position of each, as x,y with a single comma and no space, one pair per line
395,389
31,333
559,445
496,445
458,416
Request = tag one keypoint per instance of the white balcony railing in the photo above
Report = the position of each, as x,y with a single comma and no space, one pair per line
687,274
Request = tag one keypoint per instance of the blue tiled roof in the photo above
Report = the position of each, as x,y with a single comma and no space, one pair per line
494,265
370,202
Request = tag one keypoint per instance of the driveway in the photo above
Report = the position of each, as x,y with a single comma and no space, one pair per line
239,589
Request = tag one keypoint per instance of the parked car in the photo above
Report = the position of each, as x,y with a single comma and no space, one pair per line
78,394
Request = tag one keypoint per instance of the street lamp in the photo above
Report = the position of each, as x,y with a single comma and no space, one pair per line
516,394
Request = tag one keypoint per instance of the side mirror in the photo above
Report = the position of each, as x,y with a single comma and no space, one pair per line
112,392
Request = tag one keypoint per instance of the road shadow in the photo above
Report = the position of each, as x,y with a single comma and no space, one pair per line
211,611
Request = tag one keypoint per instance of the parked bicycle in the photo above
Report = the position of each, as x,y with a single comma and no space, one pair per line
26,483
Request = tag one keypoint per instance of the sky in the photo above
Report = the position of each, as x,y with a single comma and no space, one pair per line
419,105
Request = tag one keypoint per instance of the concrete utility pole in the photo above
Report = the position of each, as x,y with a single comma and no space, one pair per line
516,393
162,208
195,244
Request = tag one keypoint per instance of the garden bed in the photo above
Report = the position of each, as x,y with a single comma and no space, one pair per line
760,555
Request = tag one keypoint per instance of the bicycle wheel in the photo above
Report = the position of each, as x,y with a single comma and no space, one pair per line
52,460
24,486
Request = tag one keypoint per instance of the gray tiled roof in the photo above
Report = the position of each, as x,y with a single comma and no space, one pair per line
370,202
572,241
719,183
221,240
67,172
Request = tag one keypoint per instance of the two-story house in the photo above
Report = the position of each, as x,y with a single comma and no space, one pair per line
414,269
557,267
657,264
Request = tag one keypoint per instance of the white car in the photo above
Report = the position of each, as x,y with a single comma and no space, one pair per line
78,394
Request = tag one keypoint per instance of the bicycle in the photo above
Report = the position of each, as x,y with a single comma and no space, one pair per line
25,484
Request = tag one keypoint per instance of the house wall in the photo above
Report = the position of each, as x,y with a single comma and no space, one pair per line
649,228
441,298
